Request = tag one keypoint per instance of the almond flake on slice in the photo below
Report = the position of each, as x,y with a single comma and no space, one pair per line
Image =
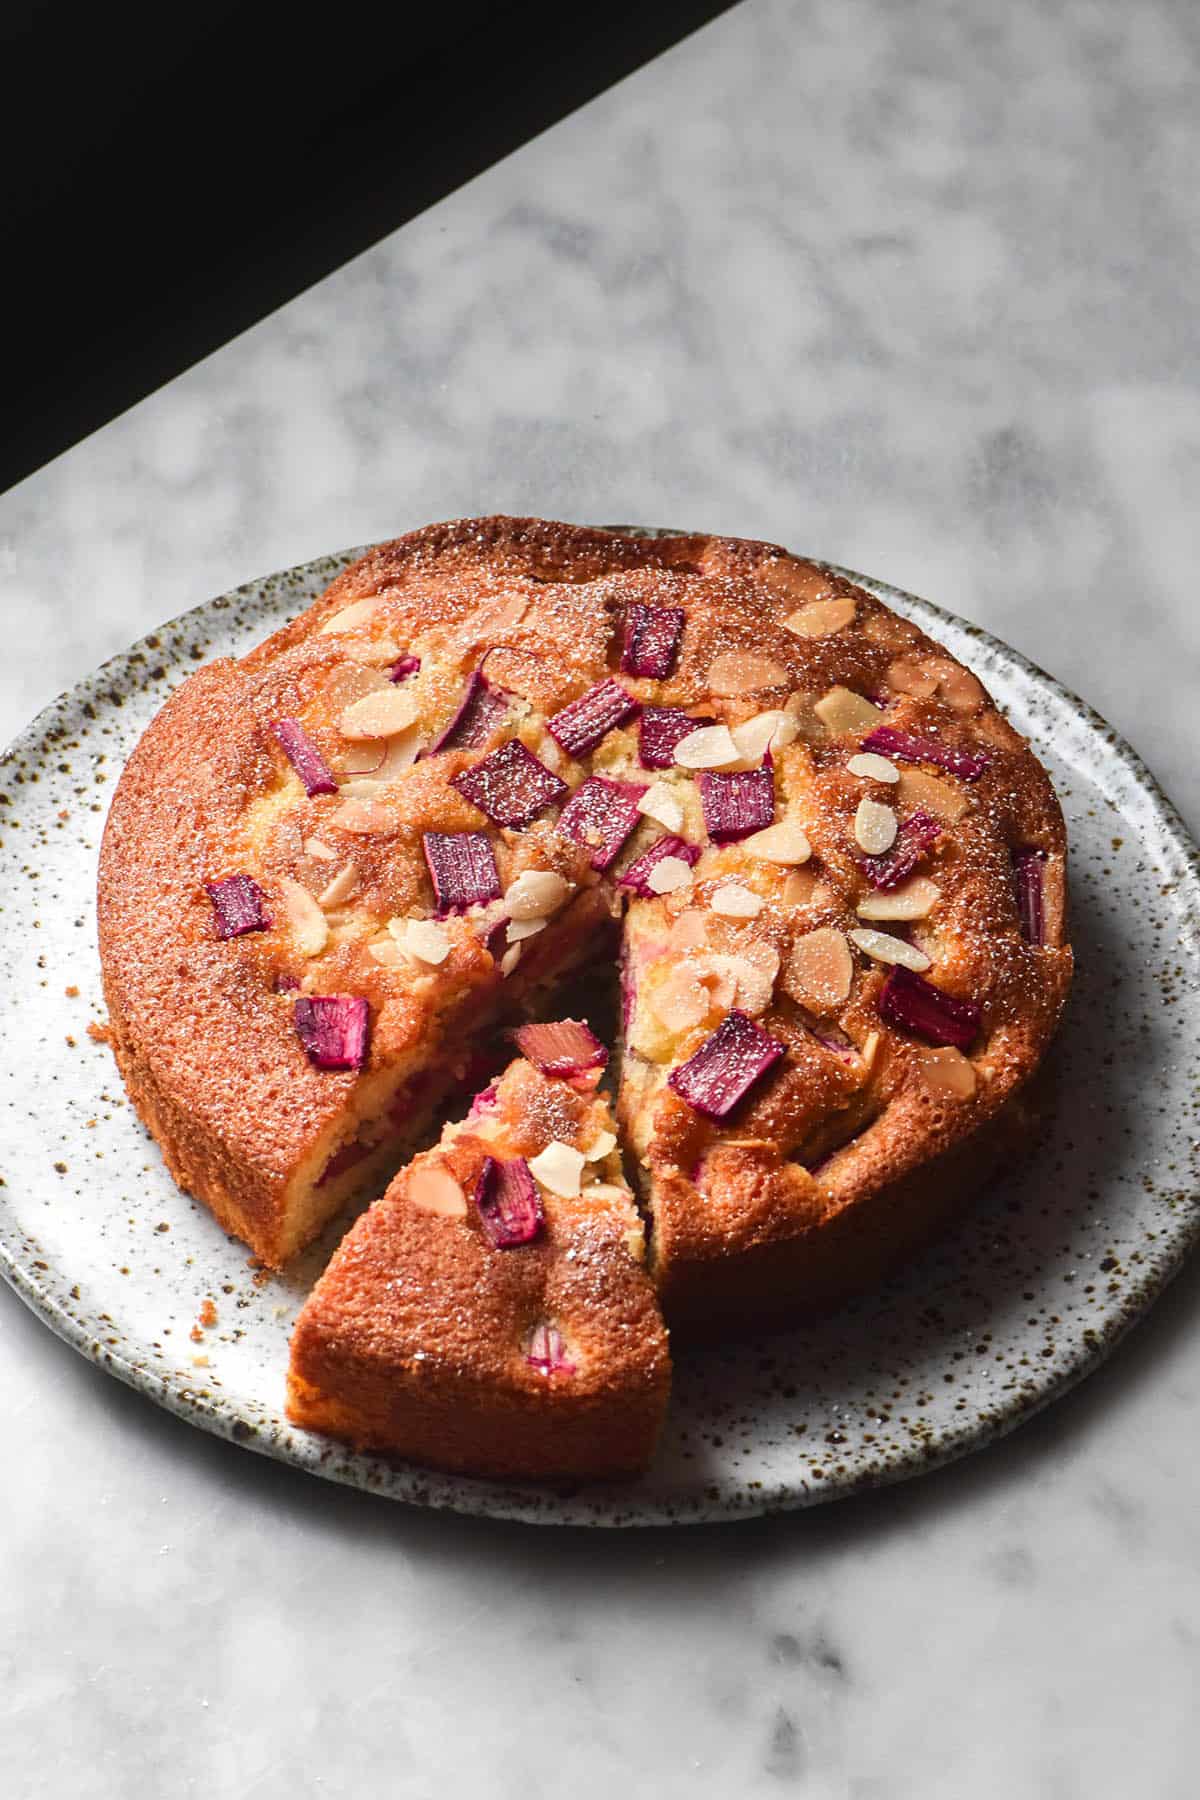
379,715
434,1190
520,929
604,1146
427,940
351,617
535,894
841,709
510,959
821,618
366,818
340,888
883,948
660,804
875,827
736,672
929,793
708,747
669,875
785,843
913,675
559,1168
948,1070
914,899
734,901
755,736
386,951
820,969
682,1000
314,846
870,1048
872,767
306,922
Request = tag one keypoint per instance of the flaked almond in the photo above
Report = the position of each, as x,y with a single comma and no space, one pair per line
432,1189
425,939
736,672
947,1070
535,894
804,887
315,846
841,709
785,843
660,804
306,922
681,1001
402,751
872,767
913,675
387,952
339,890
689,931
520,929
960,689
821,618
733,901
929,793
870,1048
708,747
800,581
379,715
914,899
559,1168
819,970
510,959
875,827
753,972
883,948
603,1146
366,818
669,875
379,652
755,736
351,617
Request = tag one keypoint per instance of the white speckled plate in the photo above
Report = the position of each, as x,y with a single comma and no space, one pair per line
1029,1293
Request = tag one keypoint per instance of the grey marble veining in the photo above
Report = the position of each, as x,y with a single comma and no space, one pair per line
908,287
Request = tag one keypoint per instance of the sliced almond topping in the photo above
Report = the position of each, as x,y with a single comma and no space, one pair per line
785,843
681,1001
803,887
402,752
427,940
960,689
660,804
535,894
708,747
873,768
841,709
875,827
744,672
929,793
379,651
820,970
913,899
559,1168
432,1189
306,922
948,1070
884,948
870,1047
520,929
753,973
755,736
379,715
913,675
315,847
689,932
667,876
340,888
387,952
351,617
734,901
800,581
821,618
510,959
604,1146
786,732
367,818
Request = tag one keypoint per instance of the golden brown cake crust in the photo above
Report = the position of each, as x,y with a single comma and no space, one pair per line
208,1046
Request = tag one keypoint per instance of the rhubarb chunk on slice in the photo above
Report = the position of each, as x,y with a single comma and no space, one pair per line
660,729
237,902
924,1011
333,1030
511,786
638,876
565,1047
437,1336
462,867
917,834
737,805
304,757
600,815
968,764
1029,867
652,635
726,1066
478,713
580,726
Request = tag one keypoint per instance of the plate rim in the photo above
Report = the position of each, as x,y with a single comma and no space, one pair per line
545,1504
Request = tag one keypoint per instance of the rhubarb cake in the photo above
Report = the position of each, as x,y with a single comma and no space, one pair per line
492,1312
830,872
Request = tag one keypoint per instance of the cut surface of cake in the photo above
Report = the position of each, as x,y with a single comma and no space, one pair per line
499,749
492,1312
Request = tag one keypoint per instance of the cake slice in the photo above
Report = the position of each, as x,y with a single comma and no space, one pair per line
491,1313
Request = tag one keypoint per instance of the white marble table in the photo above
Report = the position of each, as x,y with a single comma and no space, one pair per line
910,288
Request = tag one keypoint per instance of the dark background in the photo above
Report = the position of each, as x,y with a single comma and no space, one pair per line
171,175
